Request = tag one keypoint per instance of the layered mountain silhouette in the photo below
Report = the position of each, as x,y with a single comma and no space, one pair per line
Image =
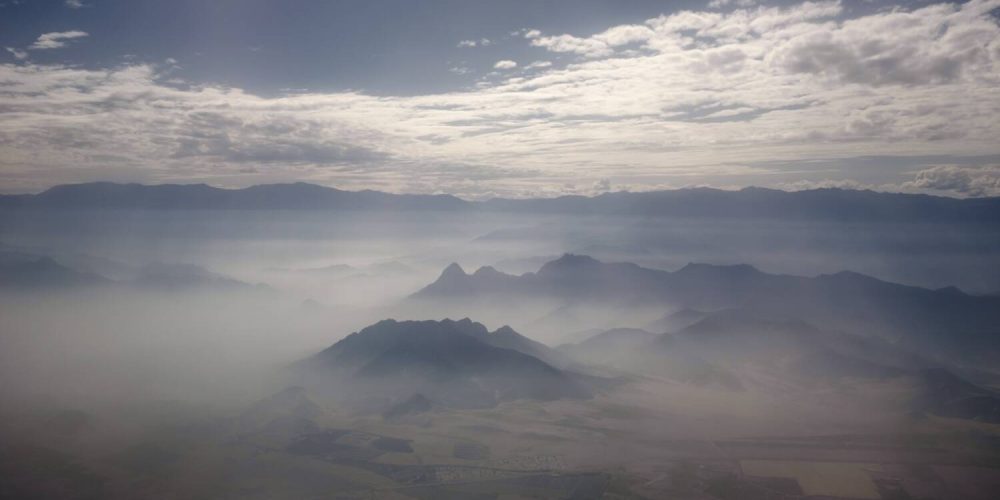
948,320
24,271
457,363
827,204
108,195
185,277
732,349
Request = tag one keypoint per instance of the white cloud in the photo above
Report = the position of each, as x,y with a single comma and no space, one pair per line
75,4
692,98
482,42
18,54
958,180
718,4
55,40
505,64
539,64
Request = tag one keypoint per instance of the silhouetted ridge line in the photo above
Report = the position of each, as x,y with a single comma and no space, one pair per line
824,204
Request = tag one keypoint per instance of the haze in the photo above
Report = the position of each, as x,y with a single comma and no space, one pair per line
717,250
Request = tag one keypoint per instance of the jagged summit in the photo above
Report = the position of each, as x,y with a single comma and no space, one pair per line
456,362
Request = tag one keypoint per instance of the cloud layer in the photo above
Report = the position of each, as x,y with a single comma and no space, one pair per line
688,98
55,40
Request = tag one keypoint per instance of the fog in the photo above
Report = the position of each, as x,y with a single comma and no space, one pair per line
201,332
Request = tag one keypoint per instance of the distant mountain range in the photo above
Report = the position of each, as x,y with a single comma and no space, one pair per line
299,196
458,363
827,204
947,320
25,271
736,349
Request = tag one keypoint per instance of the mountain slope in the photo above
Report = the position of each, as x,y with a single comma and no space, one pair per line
447,361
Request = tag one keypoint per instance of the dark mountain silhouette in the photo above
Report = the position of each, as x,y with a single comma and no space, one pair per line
106,195
826,204
947,321
182,277
24,271
452,362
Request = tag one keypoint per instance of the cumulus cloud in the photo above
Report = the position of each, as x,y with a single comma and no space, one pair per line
958,180
56,40
505,64
691,98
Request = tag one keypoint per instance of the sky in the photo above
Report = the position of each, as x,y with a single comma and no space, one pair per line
515,99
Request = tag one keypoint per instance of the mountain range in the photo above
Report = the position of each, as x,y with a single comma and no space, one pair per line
826,204
26,271
945,321
739,350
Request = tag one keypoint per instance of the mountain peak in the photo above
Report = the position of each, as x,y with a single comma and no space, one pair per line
452,270
487,271
569,262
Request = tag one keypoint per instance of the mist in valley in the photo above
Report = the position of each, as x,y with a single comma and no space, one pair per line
161,352
507,250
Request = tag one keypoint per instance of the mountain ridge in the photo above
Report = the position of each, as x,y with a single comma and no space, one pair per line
823,203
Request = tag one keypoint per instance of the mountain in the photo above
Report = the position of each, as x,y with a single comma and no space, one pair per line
415,405
298,196
944,321
451,362
940,392
676,320
817,204
611,347
24,271
182,277
754,202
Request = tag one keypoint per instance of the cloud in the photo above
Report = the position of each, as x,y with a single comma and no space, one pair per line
718,4
482,42
691,98
18,54
958,180
599,45
505,64
75,4
539,64
55,40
